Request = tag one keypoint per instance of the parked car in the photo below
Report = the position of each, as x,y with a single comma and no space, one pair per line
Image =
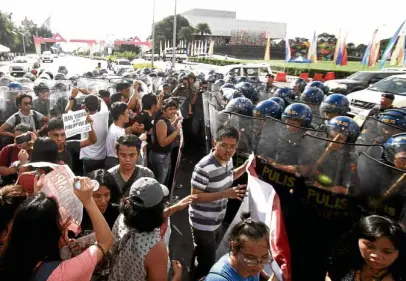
121,64
47,56
34,59
19,66
358,81
368,98
247,69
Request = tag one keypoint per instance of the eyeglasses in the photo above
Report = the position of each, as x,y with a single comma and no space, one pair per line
254,262
27,103
227,147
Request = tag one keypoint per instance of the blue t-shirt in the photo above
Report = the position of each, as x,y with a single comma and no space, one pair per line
222,271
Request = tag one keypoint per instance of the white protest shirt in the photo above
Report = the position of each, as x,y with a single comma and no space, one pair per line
100,119
114,133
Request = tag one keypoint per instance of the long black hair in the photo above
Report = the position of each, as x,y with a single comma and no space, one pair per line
106,179
34,238
346,256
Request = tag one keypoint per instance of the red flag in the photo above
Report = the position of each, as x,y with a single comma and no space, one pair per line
345,56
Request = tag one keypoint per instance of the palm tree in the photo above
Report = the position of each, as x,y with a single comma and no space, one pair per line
203,28
186,33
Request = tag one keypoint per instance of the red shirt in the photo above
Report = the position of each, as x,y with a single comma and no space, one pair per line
4,155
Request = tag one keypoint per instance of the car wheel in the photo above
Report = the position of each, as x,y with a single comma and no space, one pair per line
51,61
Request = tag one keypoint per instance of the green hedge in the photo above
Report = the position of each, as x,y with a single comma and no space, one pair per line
294,71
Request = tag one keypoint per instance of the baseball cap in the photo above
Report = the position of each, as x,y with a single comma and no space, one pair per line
148,191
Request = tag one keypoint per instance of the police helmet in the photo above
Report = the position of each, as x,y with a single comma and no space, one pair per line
279,101
60,76
146,71
395,117
227,86
299,84
319,85
394,145
267,108
103,71
212,72
161,74
15,87
24,80
219,82
242,79
41,88
254,80
312,96
63,69
61,87
153,75
344,125
335,103
298,111
30,76
50,75
211,79
240,105
231,79
286,94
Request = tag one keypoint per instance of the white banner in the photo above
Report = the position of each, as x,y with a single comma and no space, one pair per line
75,123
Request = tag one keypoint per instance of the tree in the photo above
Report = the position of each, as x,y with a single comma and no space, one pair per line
203,28
186,33
165,27
6,27
360,49
327,38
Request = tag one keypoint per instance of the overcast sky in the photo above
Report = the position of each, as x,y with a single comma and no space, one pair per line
90,19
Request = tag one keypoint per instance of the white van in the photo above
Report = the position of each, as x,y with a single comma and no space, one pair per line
368,98
247,69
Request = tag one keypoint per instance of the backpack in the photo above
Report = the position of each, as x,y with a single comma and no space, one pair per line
35,116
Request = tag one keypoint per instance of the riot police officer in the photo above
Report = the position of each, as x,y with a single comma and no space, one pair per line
279,101
41,103
268,108
313,97
286,94
298,86
334,163
334,105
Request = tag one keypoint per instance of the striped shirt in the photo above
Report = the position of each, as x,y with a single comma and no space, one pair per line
210,176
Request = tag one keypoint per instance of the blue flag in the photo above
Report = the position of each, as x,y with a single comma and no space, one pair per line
390,46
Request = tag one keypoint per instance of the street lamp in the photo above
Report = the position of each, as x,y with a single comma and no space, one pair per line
174,38
153,35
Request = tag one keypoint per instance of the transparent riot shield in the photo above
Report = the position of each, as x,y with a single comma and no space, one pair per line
382,187
318,122
249,129
58,100
156,82
268,138
217,119
377,132
328,164
7,103
26,83
93,85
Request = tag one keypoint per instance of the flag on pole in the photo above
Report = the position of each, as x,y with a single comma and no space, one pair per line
288,54
47,23
211,49
344,60
390,45
312,53
365,58
160,49
372,50
267,55
337,46
376,55
398,54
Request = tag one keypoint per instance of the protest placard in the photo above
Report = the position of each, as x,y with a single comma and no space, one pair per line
75,123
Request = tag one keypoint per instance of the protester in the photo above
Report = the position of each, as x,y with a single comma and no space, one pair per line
127,171
24,115
374,250
249,253
121,116
11,197
164,134
39,218
106,198
19,151
211,181
139,253
94,155
70,148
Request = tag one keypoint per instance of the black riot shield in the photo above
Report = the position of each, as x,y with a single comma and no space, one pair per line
249,129
382,188
329,164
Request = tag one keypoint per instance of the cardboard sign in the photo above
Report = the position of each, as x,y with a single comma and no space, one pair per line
75,123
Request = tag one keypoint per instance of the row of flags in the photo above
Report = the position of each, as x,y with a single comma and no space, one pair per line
192,48
395,50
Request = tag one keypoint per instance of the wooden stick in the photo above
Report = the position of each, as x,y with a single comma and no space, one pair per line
326,152
395,185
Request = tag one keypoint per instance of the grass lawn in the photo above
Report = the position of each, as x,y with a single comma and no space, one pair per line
322,65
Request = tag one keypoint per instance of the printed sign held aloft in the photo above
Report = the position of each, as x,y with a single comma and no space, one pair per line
75,123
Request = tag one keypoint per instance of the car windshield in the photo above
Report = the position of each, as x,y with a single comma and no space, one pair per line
360,76
394,85
124,62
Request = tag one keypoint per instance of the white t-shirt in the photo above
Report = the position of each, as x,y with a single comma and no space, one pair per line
100,119
114,133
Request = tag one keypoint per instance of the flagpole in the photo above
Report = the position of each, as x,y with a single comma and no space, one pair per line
153,34
174,38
